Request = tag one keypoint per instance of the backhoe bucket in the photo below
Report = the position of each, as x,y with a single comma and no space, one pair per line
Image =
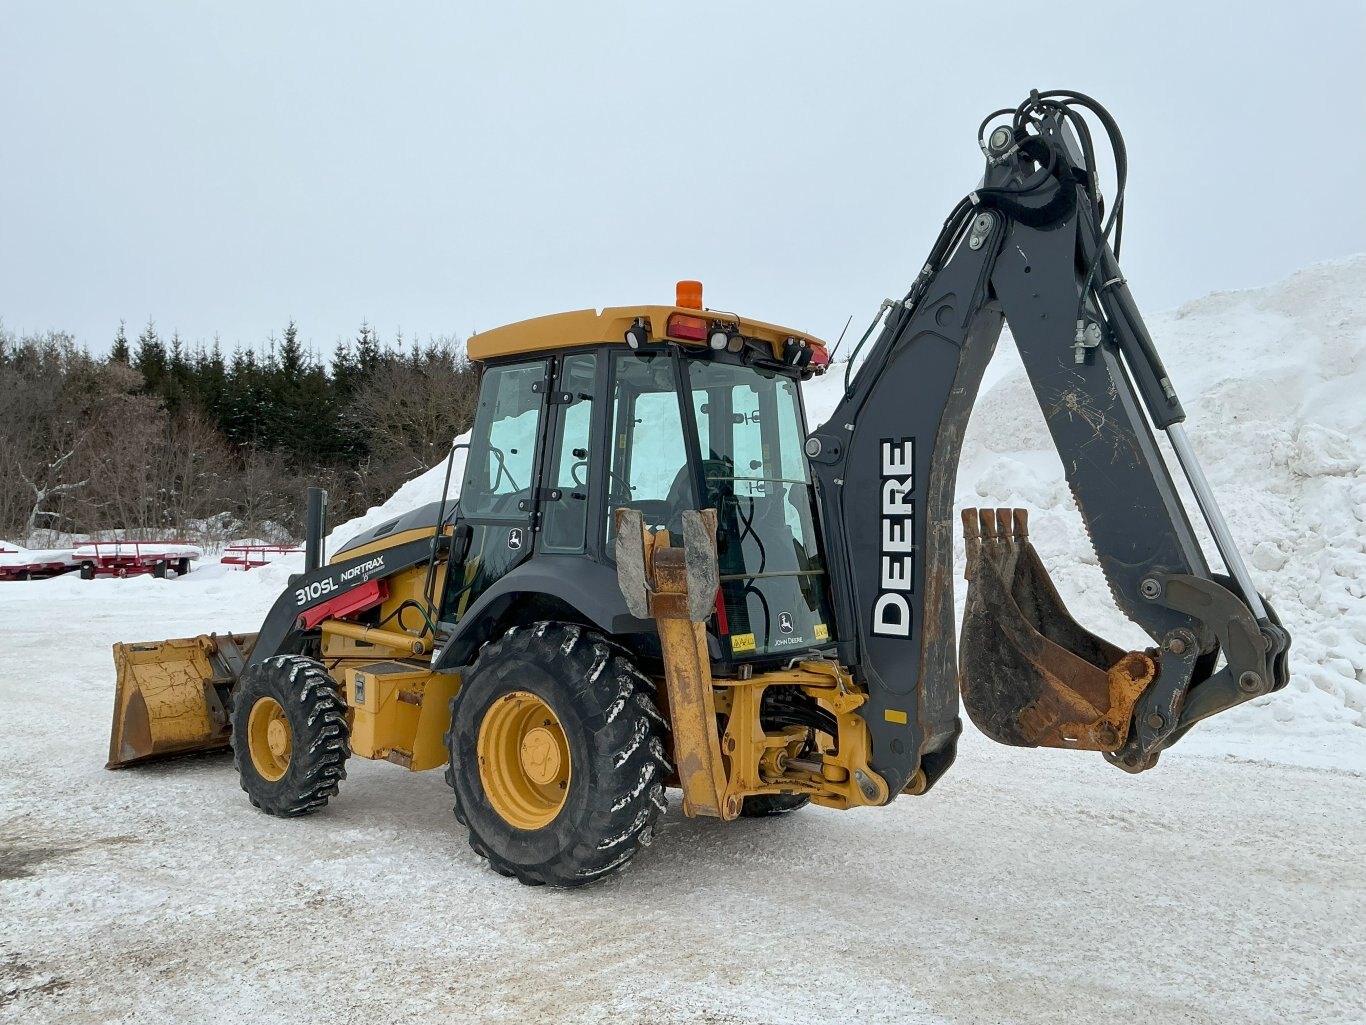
171,697
1031,676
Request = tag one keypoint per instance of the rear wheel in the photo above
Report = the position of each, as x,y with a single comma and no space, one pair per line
159,569
556,756
290,738
87,571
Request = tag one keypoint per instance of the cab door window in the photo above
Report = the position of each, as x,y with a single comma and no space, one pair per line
648,468
497,479
564,521
498,474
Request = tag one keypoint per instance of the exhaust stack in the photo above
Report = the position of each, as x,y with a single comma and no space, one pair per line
316,527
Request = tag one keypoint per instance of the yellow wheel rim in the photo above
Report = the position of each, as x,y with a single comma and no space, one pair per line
523,760
269,739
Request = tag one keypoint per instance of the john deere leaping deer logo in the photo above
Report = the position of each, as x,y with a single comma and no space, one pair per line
785,622
515,538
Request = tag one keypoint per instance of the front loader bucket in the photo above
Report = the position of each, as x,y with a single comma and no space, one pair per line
171,697
1032,676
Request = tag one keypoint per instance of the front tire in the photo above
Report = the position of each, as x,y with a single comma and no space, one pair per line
556,756
290,737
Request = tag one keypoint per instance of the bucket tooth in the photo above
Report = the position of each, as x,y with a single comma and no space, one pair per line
1031,675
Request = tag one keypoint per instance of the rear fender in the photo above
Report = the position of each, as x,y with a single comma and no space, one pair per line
571,588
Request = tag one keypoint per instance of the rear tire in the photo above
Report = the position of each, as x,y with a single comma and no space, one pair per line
556,680
159,569
290,737
87,571
182,567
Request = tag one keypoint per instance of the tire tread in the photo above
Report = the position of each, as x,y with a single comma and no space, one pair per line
321,735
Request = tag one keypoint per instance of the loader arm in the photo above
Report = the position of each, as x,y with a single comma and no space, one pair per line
1027,248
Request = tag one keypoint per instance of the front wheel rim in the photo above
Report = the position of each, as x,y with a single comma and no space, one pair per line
269,739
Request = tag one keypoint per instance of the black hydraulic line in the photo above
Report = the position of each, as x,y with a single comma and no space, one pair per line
1121,173
749,531
429,583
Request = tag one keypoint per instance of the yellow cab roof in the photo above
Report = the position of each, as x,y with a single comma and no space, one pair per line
595,327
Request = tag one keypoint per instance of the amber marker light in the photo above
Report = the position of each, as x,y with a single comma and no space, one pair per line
689,295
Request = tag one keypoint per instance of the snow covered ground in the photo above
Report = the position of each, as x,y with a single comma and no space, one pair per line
1228,885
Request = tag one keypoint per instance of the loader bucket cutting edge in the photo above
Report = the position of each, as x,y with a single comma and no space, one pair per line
1032,676
169,696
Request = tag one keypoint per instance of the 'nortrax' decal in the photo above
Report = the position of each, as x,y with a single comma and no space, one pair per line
365,567
896,554
330,585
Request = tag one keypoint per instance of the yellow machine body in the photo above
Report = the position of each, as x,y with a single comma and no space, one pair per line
400,711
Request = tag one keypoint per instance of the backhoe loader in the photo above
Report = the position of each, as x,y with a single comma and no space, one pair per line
654,576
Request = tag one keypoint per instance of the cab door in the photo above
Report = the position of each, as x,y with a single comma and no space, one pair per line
498,491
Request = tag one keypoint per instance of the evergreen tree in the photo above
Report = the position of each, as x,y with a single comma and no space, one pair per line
241,420
211,382
120,352
150,358
368,351
178,387
292,358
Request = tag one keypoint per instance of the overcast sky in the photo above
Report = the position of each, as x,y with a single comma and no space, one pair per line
441,168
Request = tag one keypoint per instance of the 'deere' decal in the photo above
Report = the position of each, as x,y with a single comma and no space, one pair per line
896,554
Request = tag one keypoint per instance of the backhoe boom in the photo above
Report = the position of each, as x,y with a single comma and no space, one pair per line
1028,248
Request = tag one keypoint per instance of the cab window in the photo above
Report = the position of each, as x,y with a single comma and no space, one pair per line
503,447
649,456
565,520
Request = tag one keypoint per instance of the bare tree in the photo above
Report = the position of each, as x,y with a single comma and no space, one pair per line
413,406
43,427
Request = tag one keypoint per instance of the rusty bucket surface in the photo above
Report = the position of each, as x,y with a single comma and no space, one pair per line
1031,675
170,696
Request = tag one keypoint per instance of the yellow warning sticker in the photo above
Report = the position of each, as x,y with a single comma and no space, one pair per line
894,715
822,634
741,642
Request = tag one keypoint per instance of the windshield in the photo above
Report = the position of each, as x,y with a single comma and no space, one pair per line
750,436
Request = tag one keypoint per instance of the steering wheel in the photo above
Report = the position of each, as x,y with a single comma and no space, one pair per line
618,490
582,464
